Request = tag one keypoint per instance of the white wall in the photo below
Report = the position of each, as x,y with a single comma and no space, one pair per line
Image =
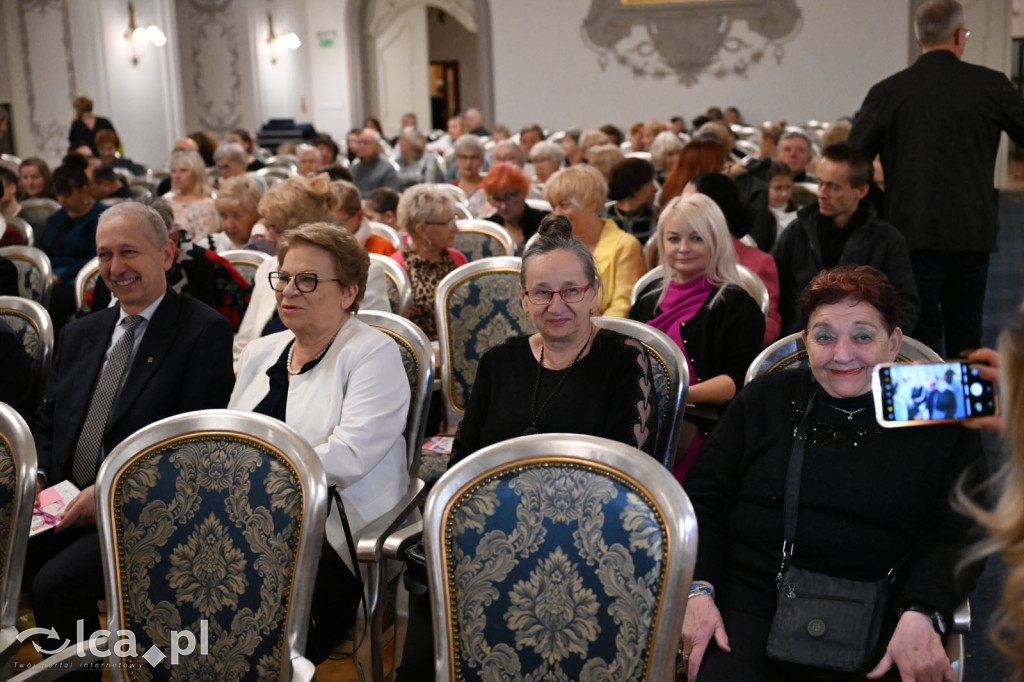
330,81
545,73
66,48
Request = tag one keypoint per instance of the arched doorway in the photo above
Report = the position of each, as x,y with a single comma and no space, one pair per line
388,44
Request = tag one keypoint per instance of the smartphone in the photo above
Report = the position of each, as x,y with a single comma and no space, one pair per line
915,393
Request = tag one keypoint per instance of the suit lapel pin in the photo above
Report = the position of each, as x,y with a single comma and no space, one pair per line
150,359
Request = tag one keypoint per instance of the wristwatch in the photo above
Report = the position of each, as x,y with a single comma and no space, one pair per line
938,620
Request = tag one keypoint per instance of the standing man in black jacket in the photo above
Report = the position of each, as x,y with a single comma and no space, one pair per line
937,126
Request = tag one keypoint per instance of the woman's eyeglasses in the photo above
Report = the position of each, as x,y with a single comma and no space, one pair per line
306,282
568,295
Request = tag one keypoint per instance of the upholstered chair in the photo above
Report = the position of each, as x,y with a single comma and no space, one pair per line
558,556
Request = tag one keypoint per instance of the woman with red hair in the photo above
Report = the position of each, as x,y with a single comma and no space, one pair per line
700,155
506,186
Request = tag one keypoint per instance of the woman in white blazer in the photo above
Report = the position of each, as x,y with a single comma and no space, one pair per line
342,386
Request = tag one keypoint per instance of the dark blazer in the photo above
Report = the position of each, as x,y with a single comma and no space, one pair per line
183,363
936,125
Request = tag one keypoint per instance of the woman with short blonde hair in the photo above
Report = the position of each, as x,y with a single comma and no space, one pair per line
579,194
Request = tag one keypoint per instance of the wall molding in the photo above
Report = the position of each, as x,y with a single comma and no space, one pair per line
49,137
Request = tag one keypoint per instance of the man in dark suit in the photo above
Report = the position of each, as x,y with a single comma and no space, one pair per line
155,355
936,126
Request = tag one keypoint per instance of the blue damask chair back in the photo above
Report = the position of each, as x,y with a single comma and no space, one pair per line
671,380
35,274
31,323
214,516
478,239
17,493
477,307
558,556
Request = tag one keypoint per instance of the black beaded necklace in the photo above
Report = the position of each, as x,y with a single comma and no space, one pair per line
534,412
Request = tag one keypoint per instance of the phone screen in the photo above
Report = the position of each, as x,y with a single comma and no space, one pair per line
930,393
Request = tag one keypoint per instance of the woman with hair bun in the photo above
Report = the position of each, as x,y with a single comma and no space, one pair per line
540,383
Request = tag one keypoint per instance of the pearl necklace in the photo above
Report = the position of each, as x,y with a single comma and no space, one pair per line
291,350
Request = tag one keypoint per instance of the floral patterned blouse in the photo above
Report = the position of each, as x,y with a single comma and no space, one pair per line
197,218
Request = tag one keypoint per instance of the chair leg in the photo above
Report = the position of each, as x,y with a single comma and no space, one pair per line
369,657
401,626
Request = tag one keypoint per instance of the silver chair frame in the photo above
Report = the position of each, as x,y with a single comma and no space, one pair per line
669,354
27,232
790,350
16,432
39,259
645,281
40,319
492,230
387,232
86,275
246,257
754,286
617,460
399,277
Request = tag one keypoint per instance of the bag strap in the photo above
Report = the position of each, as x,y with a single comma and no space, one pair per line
791,501
335,497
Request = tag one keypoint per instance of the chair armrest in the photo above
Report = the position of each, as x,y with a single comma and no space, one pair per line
370,539
962,618
303,669
66,661
394,542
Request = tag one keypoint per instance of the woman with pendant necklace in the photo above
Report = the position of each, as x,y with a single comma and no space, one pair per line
569,377
341,385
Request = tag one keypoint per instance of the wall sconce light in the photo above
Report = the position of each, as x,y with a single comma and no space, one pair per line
139,35
288,41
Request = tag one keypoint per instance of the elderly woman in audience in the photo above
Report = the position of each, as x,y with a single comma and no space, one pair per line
309,160
341,385
10,207
352,217
427,215
699,155
547,157
665,151
723,191
191,196
289,204
603,157
579,194
415,164
590,139
70,238
243,137
702,305
632,188
35,179
107,144
857,519
237,204
506,186
469,157
559,286
230,161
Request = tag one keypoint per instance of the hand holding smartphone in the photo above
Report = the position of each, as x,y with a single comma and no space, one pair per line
915,393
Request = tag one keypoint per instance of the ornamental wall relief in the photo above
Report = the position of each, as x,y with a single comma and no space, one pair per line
689,38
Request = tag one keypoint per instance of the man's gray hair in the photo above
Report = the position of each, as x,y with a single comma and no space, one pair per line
937,21
546,148
789,135
232,152
154,226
